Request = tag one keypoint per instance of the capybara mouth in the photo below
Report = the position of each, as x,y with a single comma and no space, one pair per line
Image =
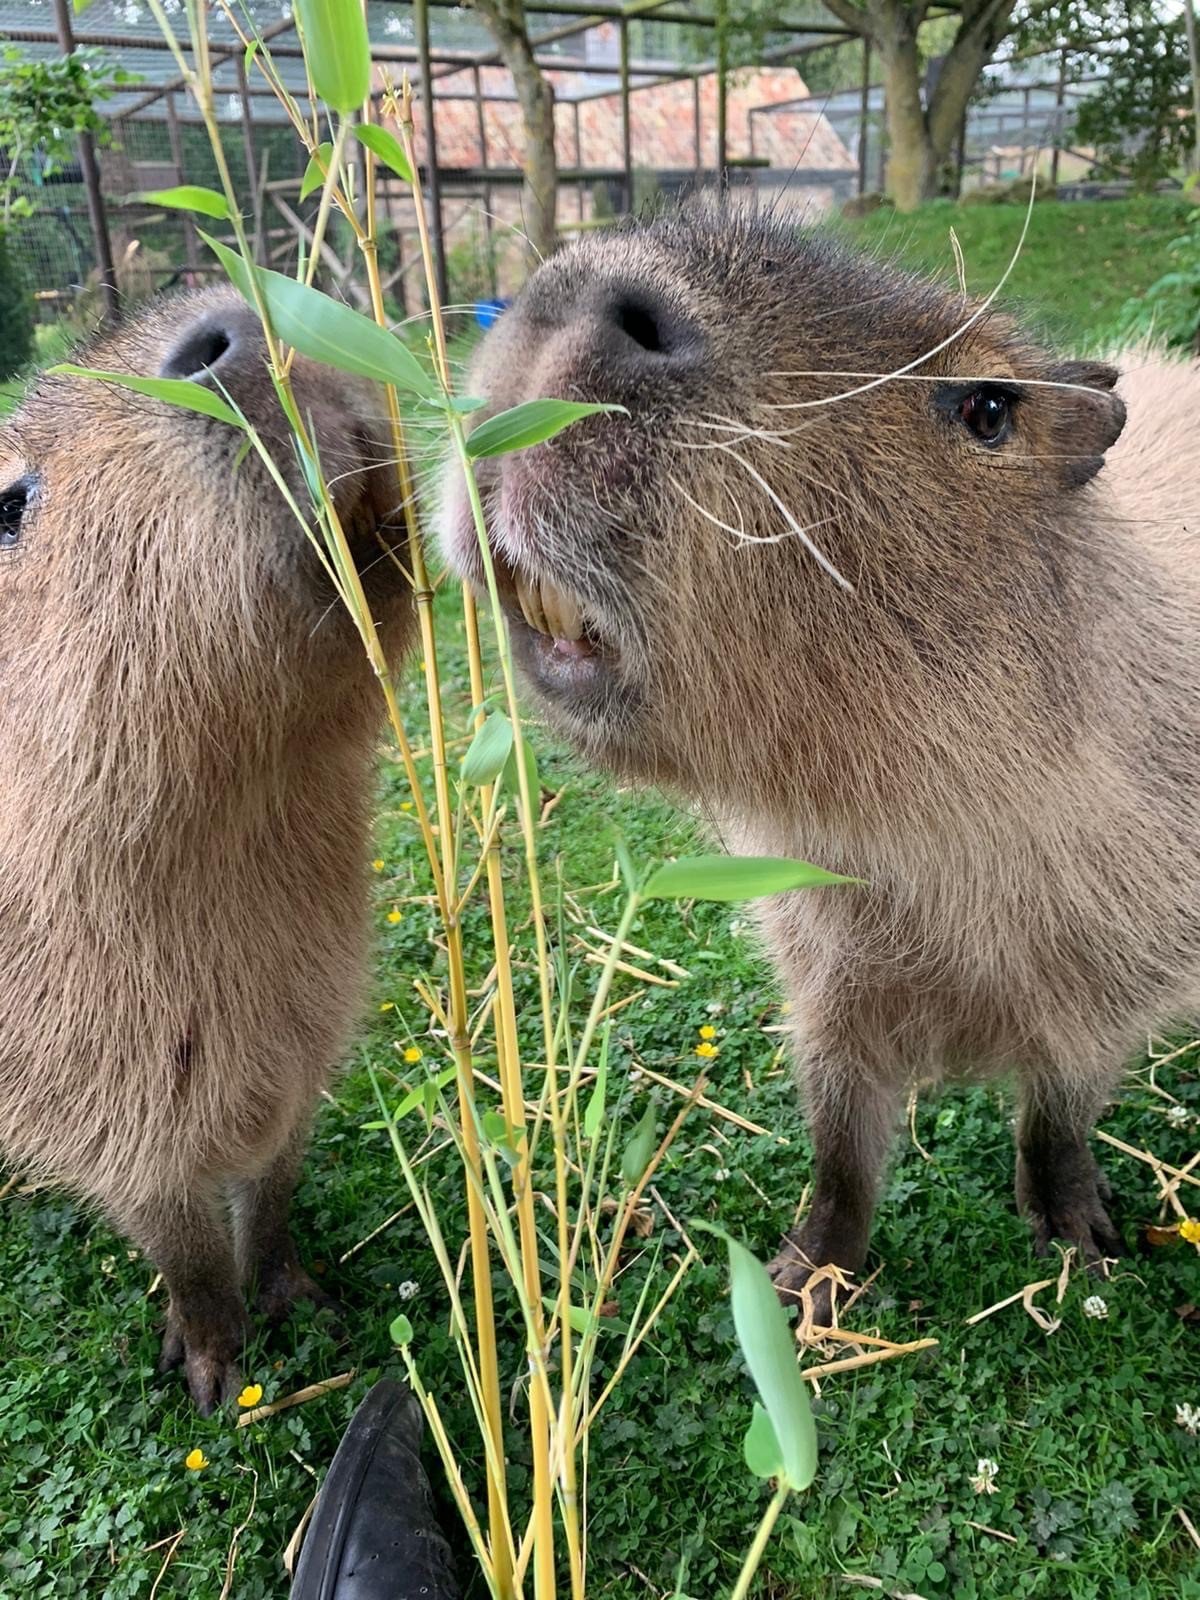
559,642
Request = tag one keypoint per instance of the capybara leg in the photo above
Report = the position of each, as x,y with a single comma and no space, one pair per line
851,1117
1060,1188
187,1237
266,1252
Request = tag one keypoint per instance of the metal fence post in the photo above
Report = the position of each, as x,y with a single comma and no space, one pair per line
91,184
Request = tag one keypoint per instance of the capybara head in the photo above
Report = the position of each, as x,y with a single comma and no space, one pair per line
162,611
833,483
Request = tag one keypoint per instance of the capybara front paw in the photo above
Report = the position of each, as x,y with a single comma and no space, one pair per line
207,1348
1069,1207
283,1287
802,1281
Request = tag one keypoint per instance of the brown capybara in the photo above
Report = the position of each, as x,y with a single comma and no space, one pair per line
850,576
187,721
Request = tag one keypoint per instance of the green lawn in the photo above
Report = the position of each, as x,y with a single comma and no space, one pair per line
1078,266
1091,1463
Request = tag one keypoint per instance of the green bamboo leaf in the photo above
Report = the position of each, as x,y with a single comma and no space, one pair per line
511,781
415,1097
325,329
593,1116
314,172
251,51
182,392
770,1351
489,750
386,147
401,1330
760,1446
337,51
528,424
187,197
734,878
495,1128
640,1147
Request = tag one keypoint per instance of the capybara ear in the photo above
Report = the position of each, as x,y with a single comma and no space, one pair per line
1087,419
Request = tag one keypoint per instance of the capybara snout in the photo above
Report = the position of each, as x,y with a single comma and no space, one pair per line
187,727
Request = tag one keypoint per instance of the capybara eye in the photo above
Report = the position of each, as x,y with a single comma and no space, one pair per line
987,413
13,503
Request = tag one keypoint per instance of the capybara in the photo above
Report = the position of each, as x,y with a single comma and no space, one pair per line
850,576
187,722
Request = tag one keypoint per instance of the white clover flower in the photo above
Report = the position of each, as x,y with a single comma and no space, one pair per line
1188,1418
984,1481
715,1007
1094,1306
721,1174
1179,1116
408,1290
108,1265
635,1074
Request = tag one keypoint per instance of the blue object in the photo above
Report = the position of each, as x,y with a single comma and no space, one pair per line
487,311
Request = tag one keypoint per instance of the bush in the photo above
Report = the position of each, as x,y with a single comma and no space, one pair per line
1169,311
16,315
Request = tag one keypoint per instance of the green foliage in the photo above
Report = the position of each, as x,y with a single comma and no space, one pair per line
16,314
43,106
1169,311
1137,119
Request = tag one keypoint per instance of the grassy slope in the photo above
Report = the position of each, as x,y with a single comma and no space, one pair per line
1081,1423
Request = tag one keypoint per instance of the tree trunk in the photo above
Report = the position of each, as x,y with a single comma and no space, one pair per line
506,23
1189,22
912,163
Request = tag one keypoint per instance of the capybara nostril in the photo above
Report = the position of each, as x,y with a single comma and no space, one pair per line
642,330
218,342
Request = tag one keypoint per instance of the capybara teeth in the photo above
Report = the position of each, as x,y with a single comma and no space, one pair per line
564,620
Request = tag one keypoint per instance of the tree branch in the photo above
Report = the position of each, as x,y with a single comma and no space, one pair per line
854,16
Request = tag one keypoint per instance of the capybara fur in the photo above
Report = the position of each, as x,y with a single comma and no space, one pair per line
866,573
187,722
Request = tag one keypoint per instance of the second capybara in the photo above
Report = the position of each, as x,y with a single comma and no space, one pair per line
187,726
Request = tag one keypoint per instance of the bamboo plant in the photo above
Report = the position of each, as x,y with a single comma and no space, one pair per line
549,1130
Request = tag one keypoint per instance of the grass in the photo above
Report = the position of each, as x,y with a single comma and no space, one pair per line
1079,264
1081,1423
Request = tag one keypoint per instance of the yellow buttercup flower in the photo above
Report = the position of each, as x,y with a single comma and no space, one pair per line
406,805
388,1005
379,863
195,1460
1189,1229
250,1396
707,1031
412,1055
394,916
707,1051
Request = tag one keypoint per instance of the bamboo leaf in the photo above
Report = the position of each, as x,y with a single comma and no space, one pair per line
640,1147
594,1114
415,1098
386,147
489,750
528,424
324,329
770,1351
314,172
760,1446
734,878
401,1330
337,51
251,51
187,197
531,771
182,392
